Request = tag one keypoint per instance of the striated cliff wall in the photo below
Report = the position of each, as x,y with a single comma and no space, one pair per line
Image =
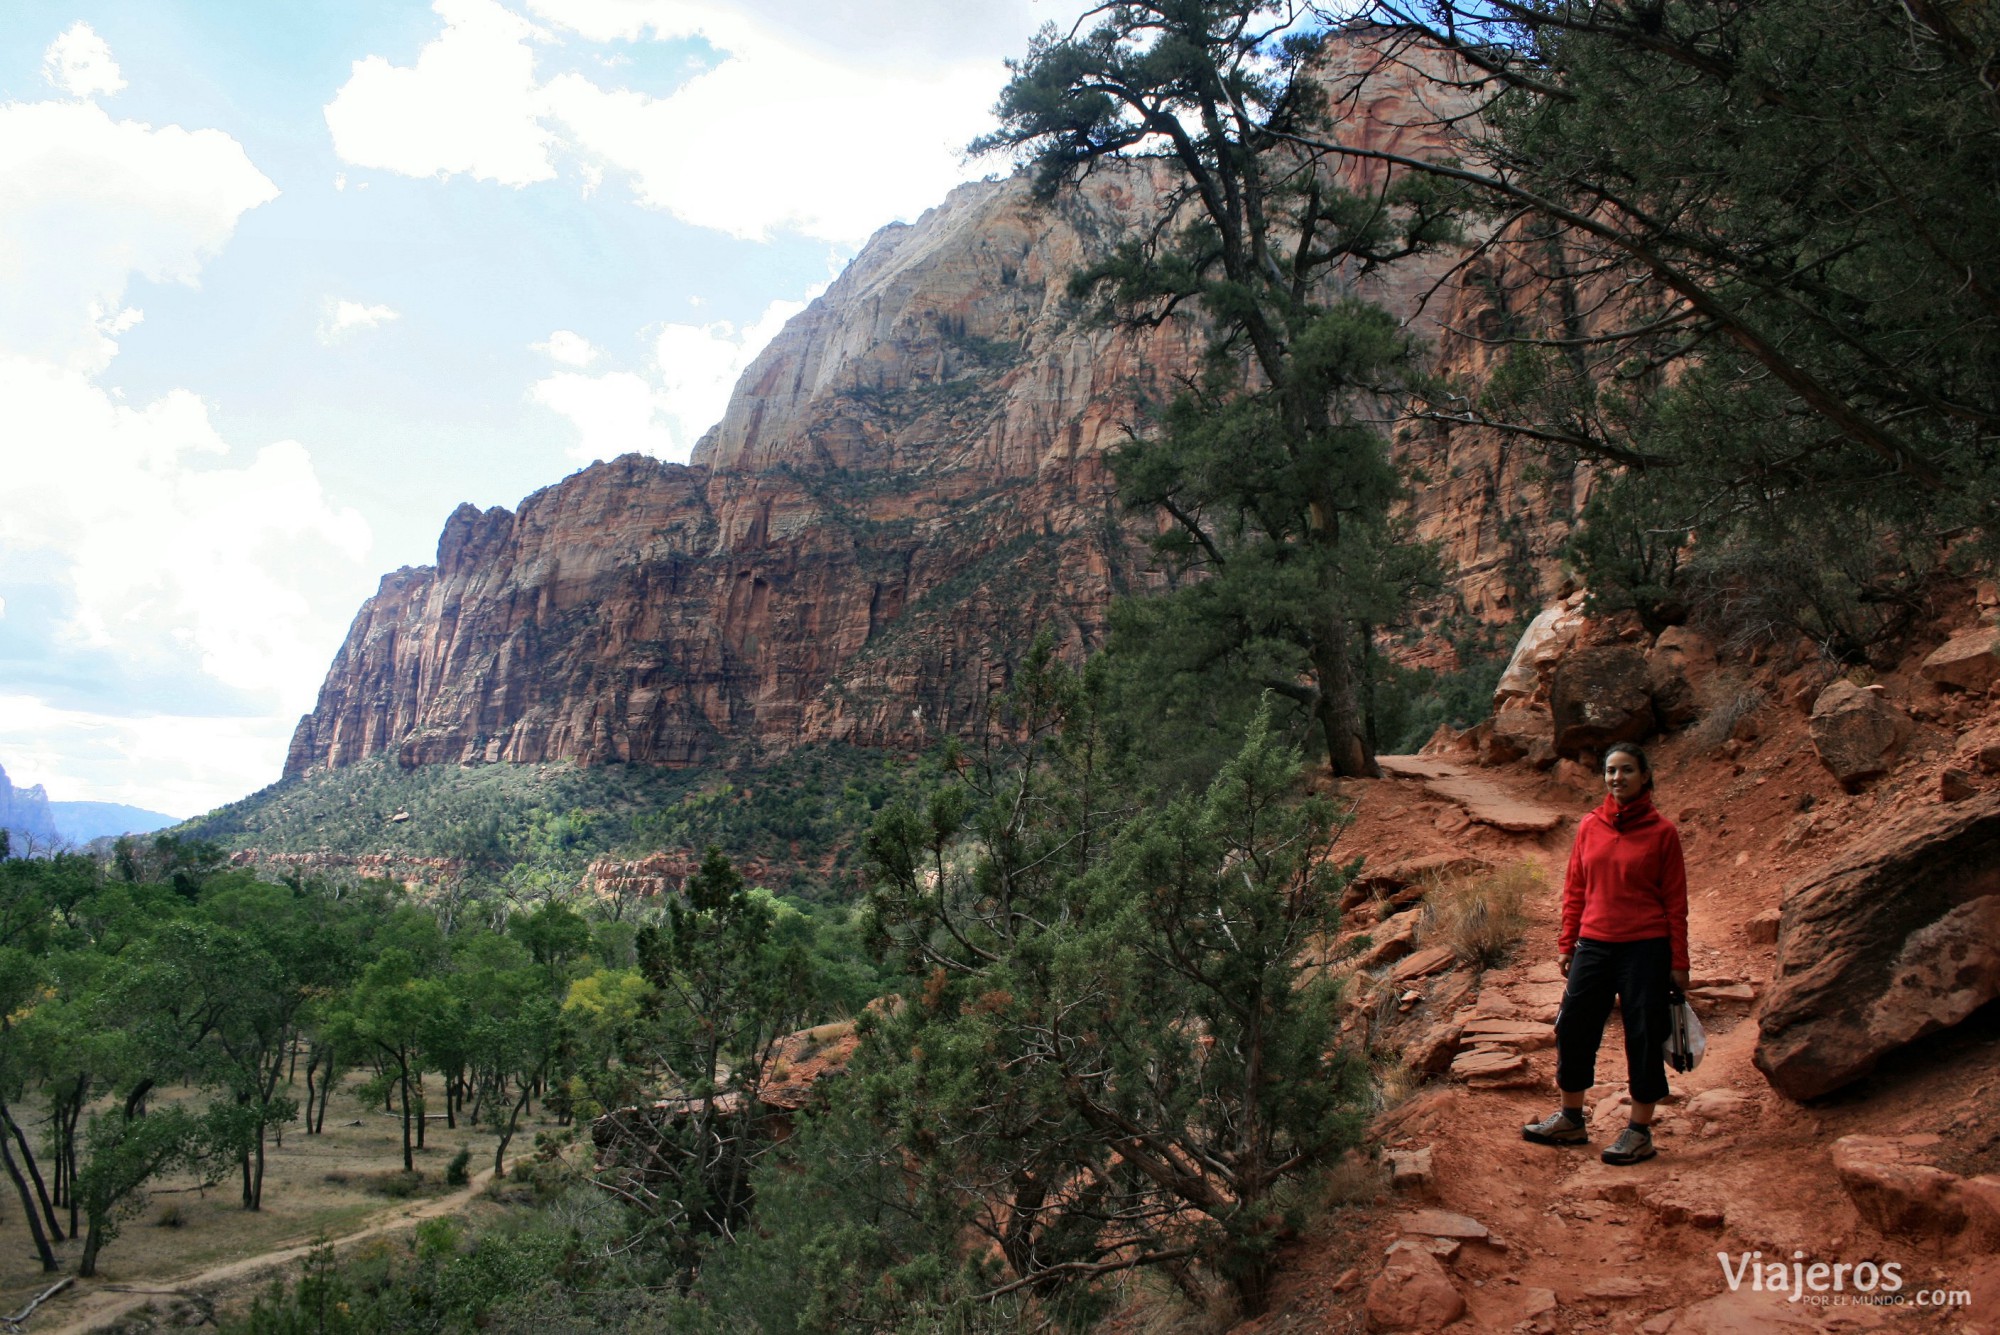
909,483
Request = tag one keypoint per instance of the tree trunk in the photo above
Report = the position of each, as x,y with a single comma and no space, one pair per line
409,1159
71,1116
42,1247
34,1171
87,1267
257,1176
1340,717
507,1132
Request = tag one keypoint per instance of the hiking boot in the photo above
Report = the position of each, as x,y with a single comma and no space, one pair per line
1633,1144
1558,1128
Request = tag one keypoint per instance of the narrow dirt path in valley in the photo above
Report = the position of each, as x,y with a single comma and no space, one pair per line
84,1308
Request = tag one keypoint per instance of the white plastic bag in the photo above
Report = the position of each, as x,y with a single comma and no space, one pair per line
1685,1040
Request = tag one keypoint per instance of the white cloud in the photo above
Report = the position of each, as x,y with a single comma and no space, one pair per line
178,764
177,558
805,125
568,348
615,413
469,106
161,578
683,393
344,317
86,202
79,63
170,548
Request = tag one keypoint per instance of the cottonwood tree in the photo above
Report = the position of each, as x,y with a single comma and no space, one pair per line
1269,466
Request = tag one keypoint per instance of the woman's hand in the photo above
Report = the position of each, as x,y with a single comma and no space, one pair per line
1562,962
1680,977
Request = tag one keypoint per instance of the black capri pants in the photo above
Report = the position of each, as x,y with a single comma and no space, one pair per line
1638,975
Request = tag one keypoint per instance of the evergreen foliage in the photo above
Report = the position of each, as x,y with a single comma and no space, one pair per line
1271,467
1781,230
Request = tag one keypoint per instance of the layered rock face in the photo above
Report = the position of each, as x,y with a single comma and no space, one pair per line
909,483
1898,939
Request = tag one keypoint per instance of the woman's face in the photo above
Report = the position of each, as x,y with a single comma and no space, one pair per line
1623,778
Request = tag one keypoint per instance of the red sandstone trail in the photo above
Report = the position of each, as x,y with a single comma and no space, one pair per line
1535,1239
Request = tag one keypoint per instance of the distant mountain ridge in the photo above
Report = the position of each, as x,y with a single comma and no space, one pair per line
81,822
24,812
30,818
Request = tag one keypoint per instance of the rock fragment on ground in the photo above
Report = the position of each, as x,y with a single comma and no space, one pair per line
1896,1189
1520,1035
1412,1293
1432,1051
1856,732
1489,1065
1442,1224
1968,661
1714,1105
1433,959
1411,1171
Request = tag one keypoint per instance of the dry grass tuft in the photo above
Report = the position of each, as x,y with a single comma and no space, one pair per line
1355,1179
1480,916
1395,1082
1726,701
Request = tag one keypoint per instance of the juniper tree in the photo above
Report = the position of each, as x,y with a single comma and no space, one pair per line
1269,466
1115,1055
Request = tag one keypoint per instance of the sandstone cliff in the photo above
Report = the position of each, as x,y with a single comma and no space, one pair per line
909,483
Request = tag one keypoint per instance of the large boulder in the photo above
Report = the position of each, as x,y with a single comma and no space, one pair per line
1675,666
1968,661
1599,696
1898,939
1856,732
1547,638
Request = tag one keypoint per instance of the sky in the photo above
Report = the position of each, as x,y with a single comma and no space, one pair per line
283,284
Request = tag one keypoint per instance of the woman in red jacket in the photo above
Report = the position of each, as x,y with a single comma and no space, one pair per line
1624,935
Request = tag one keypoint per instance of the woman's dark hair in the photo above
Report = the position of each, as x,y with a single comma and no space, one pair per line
1638,753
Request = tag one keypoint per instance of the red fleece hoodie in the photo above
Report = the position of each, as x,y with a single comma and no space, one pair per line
1626,879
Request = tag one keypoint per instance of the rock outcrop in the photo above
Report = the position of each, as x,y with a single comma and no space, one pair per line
1413,1292
909,484
1896,940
